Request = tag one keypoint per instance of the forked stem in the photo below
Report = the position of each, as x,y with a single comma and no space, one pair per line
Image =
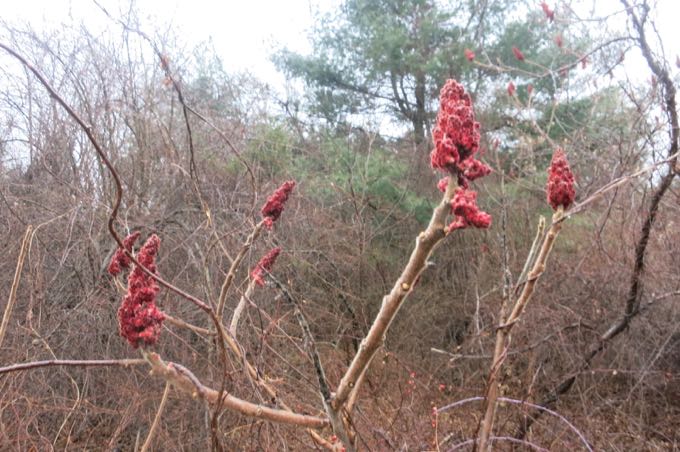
505,327
426,242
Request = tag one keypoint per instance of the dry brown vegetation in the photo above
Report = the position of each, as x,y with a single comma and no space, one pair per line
197,153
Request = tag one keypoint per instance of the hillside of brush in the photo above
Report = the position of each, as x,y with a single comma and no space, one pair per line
196,172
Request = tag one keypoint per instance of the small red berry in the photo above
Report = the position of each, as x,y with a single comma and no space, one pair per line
120,260
464,206
474,169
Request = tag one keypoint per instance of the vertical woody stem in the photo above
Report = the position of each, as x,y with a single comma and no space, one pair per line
239,308
425,244
15,282
506,325
234,267
152,431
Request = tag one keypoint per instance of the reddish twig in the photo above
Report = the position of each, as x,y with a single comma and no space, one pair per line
571,426
72,363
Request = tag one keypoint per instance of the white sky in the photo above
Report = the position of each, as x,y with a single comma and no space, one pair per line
245,32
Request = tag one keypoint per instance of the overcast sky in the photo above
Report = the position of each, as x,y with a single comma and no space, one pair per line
244,32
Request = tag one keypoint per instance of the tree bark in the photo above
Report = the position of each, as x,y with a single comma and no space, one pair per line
419,117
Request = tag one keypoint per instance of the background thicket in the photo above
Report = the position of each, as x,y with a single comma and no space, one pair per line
363,195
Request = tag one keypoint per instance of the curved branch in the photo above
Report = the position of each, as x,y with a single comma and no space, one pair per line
186,108
88,131
184,380
519,402
119,188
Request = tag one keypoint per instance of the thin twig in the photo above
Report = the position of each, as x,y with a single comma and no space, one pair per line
182,324
236,316
71,362
580,206
25,242
532,253
335,418
157,419
228,280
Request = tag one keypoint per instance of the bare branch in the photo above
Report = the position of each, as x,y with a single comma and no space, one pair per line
310,344
632,302
426,242
228,280
25,244
72,363
184,380
156,420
